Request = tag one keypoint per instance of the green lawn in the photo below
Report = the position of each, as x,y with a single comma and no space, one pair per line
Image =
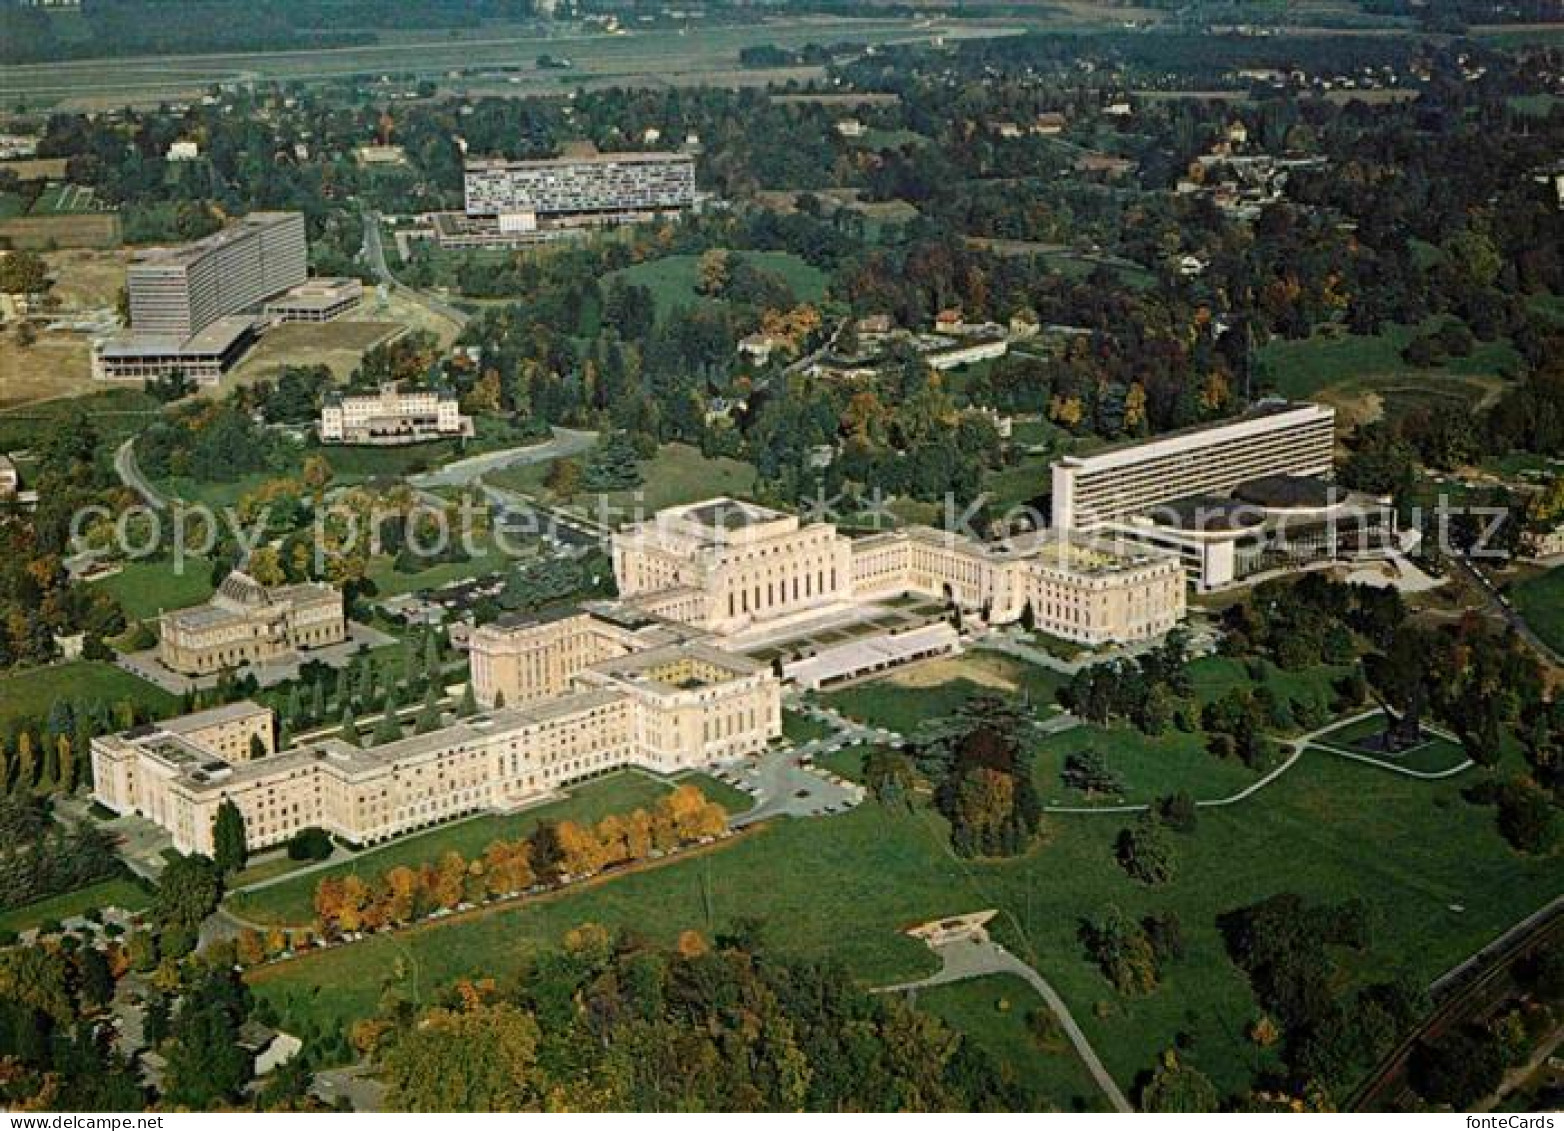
1018,484
673,279
800,728
389,581
991,1012
1150,766
113,413
1214,676
845,888
734,800
269,869
124,893
901,703
1303,368
60,198
677,474
145,589
1541,601
846,762
620,792
29,694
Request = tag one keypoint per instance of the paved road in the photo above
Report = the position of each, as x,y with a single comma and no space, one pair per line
1500,607
355,1083
975,955
129,473
565,442
375,255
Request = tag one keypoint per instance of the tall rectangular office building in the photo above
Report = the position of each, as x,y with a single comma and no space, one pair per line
179,291
1274,440
604,182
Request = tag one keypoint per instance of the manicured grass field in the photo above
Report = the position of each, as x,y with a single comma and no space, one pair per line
389,581
1434,754
145,589
114,413
61,198
1018,485
677,474
1303,368
845,888
124,893
621,792
1214,676
1151,766
1541,601
30,693
674,278
265,870
931,691
800,728
991,1012
846,762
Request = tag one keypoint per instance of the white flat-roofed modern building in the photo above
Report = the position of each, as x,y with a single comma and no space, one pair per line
181,290
606,183
316,300
1094,489
192,307
1232,500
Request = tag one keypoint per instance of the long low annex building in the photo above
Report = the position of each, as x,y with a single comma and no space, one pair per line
663,702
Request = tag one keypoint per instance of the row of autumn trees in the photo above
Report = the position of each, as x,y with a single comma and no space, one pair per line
554,853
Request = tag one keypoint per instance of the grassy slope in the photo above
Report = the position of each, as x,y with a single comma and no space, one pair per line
1303,368
1541,601
144,589
991,1012
902,706
673,279
122,893
29,694
677,474
846,886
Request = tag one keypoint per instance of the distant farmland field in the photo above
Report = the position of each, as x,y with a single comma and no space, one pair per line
650,57
39,232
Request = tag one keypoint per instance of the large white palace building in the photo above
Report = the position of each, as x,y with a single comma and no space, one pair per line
657,679
566,697
727,566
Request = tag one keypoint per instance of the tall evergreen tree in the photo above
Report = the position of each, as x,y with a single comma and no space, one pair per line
229,847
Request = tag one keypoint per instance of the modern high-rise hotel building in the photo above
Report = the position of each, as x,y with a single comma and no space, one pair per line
188,303
1131,479
1232,500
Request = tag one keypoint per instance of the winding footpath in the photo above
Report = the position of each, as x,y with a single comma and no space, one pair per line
130,475
975,955
1300,746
